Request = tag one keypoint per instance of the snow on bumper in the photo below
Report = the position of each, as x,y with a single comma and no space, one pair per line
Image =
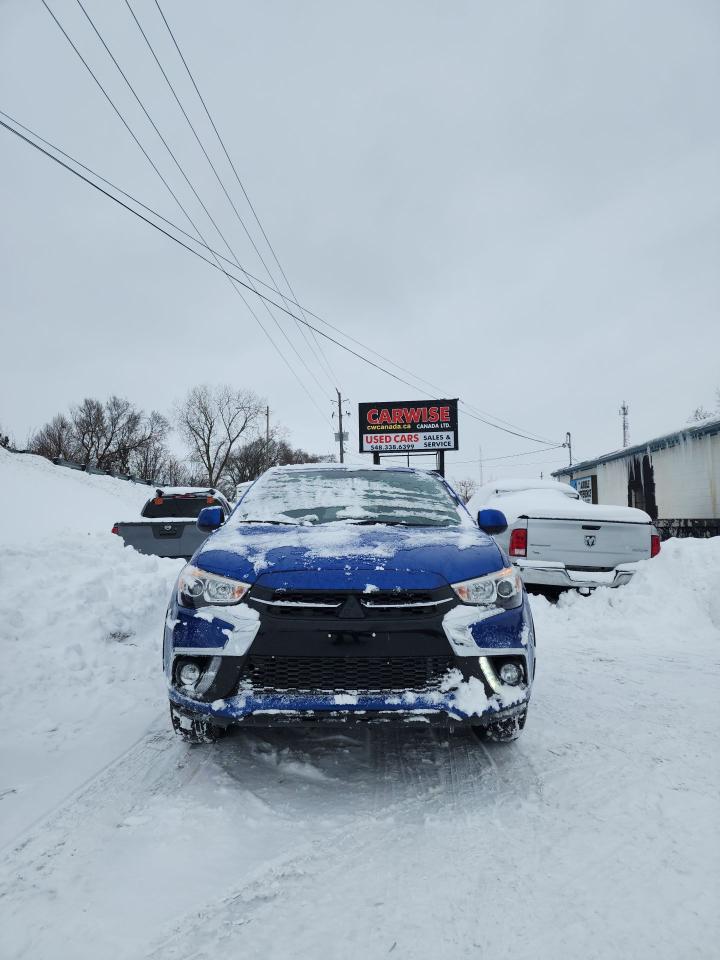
456,699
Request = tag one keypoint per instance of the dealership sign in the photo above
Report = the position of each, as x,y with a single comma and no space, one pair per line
418,426
586,488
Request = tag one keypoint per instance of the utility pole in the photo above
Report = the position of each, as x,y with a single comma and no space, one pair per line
624,412
340,425
267,437
568,444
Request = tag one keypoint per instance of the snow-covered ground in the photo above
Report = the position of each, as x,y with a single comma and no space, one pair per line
595,835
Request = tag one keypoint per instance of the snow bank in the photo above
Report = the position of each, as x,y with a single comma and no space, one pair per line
81,620
39,498
671,597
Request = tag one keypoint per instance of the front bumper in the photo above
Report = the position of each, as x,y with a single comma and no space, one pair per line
548,573
253,673
431,707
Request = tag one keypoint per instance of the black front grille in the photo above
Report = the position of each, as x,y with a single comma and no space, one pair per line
344,673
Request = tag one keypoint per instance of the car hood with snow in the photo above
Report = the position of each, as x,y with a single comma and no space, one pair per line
343,554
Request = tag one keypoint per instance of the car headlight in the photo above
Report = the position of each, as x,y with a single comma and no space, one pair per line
500,589
198,588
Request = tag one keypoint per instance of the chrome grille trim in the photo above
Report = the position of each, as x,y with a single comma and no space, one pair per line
296,603
403,606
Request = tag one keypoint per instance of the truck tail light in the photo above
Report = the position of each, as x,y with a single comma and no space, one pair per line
654,545
518,543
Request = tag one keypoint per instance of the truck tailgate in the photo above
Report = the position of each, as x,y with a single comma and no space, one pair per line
163,538
588,544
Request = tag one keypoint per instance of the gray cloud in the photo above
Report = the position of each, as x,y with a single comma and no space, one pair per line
518,201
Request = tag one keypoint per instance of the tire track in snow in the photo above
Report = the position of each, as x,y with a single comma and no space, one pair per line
30,867
27,834
405,805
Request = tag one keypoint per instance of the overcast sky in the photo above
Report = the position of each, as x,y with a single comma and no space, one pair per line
516,201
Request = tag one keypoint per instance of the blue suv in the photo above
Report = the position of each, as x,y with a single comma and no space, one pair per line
339,594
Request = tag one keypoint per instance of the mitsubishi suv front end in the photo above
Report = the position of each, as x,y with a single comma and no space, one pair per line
342,593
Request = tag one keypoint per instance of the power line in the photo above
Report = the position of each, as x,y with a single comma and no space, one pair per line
190,184
231,280
214,170
508,456
217,265
237,176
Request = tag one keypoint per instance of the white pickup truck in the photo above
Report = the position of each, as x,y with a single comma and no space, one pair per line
557,540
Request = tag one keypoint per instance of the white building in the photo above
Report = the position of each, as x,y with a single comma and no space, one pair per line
675,478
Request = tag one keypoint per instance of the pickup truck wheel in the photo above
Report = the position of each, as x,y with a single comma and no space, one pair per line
196,730
502,731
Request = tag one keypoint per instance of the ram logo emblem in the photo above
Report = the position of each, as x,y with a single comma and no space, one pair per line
590,541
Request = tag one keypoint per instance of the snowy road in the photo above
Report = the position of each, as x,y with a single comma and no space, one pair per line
594,836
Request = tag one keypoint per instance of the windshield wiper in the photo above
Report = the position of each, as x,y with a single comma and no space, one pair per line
366,522
281,523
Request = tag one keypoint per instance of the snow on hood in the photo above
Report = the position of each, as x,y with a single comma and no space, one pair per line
376,555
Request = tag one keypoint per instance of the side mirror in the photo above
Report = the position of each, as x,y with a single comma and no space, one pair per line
491,521
210,518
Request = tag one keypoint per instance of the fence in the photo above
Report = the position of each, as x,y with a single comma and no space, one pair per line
85,467
688,528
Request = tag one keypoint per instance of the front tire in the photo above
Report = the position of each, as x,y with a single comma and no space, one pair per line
195,730
502,731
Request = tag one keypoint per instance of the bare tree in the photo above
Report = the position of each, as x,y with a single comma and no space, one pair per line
702,413
211,421
114,435
699,413
466,488
149,457
55,439
252,458
5,440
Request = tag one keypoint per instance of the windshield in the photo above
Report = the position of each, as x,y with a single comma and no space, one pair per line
360,496
165,508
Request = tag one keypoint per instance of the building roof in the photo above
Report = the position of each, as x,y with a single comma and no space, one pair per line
692,431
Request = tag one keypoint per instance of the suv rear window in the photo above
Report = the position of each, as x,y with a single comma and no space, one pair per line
163,508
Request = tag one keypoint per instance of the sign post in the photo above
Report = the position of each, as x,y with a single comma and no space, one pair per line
410,427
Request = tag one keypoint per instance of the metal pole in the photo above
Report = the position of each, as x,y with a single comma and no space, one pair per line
624,411
342,448
267,437
441,462
568,444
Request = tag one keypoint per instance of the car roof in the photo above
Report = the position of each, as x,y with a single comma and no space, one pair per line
347,467
188,492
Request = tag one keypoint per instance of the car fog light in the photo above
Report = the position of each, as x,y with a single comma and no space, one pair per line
189,674
511,673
